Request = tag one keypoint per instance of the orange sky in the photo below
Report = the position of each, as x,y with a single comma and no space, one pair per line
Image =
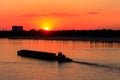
60,14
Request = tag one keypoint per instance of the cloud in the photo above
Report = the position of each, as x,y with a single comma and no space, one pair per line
29,15
48,14
60,14
93,12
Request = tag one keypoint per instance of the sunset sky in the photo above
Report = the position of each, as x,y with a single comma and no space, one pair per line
60,14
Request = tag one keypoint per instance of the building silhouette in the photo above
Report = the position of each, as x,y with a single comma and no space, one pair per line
17,28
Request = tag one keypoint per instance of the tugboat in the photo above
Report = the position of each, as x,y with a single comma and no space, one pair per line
62,58
44,55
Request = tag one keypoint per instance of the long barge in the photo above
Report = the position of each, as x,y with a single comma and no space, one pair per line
44,55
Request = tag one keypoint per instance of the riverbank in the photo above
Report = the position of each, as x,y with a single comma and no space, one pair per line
92,39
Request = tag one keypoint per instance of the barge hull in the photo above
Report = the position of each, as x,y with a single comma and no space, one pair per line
37,54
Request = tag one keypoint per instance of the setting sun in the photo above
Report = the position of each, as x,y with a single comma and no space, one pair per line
46,28
46,23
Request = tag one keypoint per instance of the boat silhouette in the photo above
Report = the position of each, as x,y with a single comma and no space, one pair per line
44,55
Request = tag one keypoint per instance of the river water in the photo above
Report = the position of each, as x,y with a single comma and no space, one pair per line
106,56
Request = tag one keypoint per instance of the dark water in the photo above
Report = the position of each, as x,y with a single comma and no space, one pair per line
102,60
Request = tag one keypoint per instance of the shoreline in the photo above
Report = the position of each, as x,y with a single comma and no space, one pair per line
92,39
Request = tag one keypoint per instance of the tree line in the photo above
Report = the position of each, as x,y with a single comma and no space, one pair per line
61,33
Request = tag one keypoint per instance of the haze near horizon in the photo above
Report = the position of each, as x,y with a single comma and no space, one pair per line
60,14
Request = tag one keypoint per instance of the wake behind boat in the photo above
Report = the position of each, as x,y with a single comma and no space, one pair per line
44,55
60,58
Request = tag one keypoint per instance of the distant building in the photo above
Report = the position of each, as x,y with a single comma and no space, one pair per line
17,28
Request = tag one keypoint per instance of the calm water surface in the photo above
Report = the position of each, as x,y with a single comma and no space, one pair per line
13,67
